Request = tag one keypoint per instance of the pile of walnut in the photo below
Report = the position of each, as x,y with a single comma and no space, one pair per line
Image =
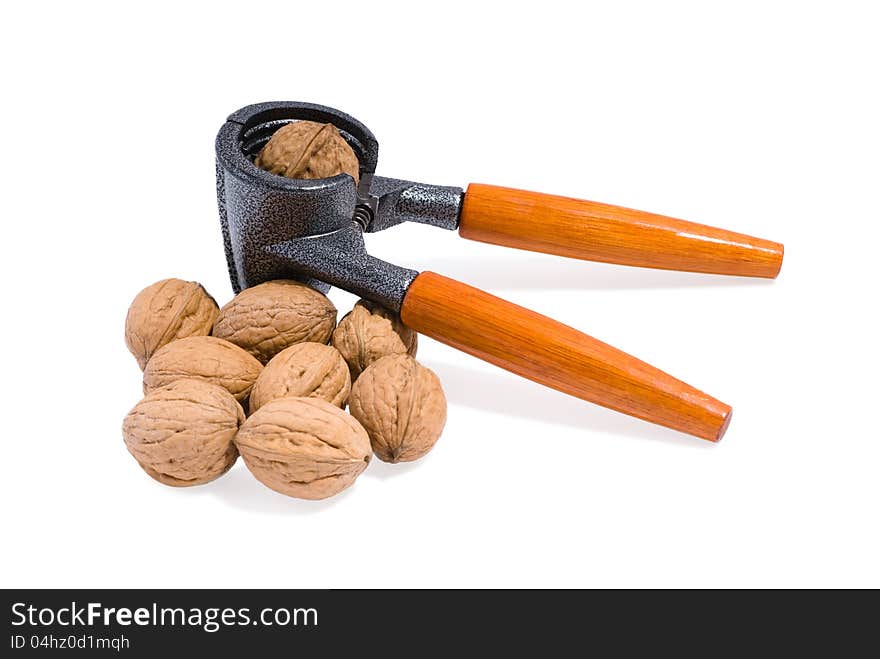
276,351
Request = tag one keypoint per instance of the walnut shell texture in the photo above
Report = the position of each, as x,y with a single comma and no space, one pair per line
401,405
167,310
304,447
307,149
306,370
182,434
369,332
269,317
204,358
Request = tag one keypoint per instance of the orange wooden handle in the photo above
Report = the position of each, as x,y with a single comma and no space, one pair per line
556,355
601,232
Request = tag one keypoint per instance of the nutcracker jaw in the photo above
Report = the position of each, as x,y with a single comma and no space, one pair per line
259,209
275,227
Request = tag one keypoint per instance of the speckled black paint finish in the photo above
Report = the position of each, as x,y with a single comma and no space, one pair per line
405,201
340,259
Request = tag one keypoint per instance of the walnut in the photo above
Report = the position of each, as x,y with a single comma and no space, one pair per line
304,447
401,405
269,317
369,332
311,370
169,309
204,358
306,149
182,434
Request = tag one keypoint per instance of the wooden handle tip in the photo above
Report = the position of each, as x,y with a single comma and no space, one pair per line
779,255
725,423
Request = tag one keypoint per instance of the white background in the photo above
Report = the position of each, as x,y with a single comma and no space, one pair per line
758,117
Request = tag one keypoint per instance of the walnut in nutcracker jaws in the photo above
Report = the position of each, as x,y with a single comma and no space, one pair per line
310,370
308,150
182,434
167,310
204,358
401,405
304,447
369,332
266,319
